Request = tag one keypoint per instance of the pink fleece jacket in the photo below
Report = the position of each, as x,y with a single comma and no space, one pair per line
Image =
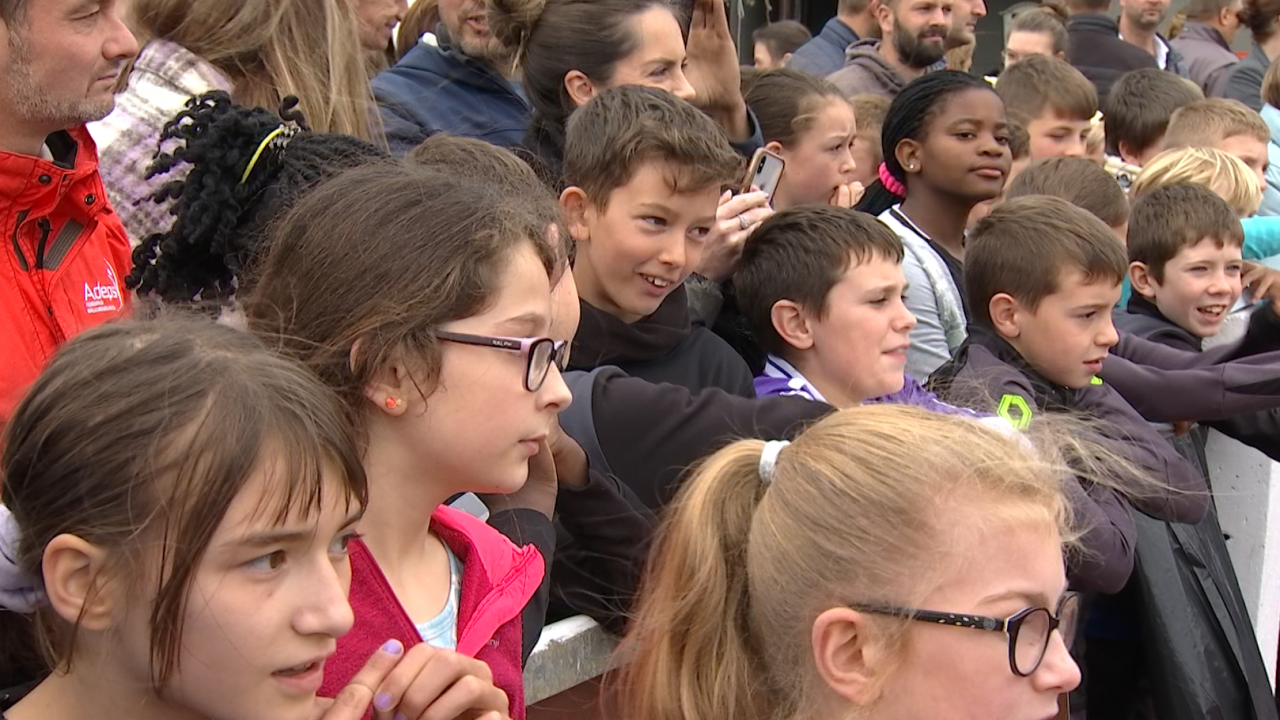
498,579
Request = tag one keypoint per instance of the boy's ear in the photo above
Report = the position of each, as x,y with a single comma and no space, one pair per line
1129,153
579,87
77,583
848,656
908,155
791,323
576,209
1004,310
1141,280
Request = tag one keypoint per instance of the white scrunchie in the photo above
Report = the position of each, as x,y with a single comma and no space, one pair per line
769,459
18,592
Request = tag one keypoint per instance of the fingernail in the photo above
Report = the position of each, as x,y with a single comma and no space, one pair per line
382,702
400,716
393,647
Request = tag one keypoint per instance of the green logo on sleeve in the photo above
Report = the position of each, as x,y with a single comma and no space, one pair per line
1011,403
1095,380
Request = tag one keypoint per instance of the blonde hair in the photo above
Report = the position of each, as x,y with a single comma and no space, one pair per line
861,507
1206,122
1271,86
273,48
1223,173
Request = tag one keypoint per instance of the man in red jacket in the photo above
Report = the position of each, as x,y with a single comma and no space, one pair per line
65,252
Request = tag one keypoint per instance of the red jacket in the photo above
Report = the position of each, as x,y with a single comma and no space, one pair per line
65,257
498,578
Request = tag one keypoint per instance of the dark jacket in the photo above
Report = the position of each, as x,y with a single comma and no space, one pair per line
648,435
1208,57
987,373
1219,383
440,89
663,347
1245,82
1260,430
1199,654
1096,50
641,438
824,54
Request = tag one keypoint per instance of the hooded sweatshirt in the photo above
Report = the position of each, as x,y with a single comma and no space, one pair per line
665,347
866,71
497,580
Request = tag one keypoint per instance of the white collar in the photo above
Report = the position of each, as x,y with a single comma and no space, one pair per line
776,367
1162,52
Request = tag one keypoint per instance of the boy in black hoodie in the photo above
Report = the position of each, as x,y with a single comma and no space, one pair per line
1185,252
644,172
1186,269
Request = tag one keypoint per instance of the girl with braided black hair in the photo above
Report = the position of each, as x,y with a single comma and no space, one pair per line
946,149
238,182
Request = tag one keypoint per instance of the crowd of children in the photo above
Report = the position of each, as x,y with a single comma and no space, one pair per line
421,356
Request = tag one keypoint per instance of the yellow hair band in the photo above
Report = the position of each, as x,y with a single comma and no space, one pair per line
262,147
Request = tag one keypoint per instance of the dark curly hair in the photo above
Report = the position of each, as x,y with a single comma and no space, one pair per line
220,220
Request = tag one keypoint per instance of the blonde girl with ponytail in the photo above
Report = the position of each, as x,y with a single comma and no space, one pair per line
890,563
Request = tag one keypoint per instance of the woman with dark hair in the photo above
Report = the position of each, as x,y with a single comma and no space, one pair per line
569,51
1262,17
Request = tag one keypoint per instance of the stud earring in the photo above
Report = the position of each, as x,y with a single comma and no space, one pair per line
392,403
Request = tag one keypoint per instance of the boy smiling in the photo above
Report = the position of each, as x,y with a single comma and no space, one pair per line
644,171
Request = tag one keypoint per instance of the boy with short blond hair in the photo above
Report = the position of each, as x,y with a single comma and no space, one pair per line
1053,102
644,171
1226,125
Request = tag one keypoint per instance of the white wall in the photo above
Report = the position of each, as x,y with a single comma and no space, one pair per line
1246,488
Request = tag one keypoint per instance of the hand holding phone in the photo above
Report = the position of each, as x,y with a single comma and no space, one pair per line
764,173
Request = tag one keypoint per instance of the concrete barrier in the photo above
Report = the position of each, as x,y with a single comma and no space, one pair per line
1246,488
569,653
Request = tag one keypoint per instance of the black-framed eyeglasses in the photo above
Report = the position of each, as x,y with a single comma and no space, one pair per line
539,353
1028,629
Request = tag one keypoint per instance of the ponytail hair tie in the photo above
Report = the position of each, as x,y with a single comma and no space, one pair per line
891,183
769,459
18,592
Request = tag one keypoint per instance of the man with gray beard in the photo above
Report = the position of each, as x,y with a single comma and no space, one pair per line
466,85
64,251
915,40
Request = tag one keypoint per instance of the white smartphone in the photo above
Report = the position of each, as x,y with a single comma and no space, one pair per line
765,172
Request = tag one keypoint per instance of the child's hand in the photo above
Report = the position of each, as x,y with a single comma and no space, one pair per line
737,217
846,196
430,683
570,459
1264,283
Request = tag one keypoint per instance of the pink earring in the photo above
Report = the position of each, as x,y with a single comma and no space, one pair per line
392,403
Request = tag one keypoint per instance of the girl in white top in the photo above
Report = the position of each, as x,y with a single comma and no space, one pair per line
946,149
